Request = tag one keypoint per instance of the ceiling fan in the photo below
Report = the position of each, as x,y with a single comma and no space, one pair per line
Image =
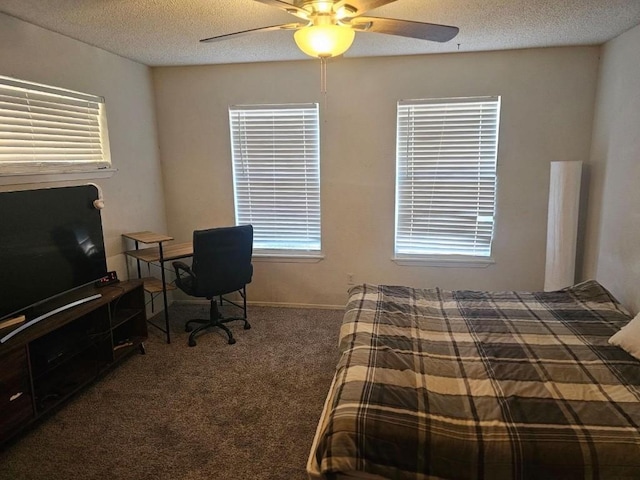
329,25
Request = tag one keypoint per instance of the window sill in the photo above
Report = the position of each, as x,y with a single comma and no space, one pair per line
23,178
288,257
473,262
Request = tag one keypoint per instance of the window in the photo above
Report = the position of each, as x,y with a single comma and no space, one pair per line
47,129
446,178
276,175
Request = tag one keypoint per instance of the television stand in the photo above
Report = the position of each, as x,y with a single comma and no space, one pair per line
47,315
73,344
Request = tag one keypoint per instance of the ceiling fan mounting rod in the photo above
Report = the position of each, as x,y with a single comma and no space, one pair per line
318,6
327,7
318,19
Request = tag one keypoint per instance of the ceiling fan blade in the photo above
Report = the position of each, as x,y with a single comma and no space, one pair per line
287,7
405,28
286,26
358,7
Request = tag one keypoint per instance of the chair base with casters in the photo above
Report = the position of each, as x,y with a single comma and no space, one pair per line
217,320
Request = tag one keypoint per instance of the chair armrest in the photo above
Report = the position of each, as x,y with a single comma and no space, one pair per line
185,278
182,267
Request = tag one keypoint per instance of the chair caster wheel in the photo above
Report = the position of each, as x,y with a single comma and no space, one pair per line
232,341
192,342
247,326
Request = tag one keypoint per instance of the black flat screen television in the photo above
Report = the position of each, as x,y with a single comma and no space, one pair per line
51,242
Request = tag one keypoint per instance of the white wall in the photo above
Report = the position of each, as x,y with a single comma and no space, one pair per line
613,227
134,197
547,114
548,108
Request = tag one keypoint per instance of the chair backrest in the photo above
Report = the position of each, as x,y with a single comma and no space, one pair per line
222,259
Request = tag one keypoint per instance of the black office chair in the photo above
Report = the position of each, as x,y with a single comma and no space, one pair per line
221,265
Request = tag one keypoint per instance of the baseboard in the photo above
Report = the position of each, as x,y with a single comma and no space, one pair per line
297,305
267,304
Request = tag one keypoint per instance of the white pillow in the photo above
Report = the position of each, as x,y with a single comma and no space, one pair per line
628,338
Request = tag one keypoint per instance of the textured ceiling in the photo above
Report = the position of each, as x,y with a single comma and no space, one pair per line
166,32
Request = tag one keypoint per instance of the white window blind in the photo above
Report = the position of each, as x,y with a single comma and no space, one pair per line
276,171
446,176
45,128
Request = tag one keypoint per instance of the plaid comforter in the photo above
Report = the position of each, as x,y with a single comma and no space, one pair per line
481,385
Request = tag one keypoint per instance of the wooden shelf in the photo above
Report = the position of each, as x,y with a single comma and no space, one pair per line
154,285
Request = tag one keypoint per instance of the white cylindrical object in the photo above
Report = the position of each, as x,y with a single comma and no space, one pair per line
562,224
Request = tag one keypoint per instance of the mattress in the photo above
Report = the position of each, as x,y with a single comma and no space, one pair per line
462,384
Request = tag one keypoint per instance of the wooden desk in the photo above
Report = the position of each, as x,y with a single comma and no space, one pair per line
169,252
160,254
147,237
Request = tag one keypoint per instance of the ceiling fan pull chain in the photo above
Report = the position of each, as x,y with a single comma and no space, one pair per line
323,75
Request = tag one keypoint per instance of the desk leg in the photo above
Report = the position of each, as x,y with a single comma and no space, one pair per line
138,261
164,294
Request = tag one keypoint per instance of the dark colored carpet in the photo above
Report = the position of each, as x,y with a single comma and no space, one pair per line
214,411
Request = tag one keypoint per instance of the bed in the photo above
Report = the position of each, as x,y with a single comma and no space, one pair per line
438,384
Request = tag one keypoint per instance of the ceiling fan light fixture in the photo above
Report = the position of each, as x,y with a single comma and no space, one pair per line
324,41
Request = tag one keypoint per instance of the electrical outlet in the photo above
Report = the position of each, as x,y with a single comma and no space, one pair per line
350,279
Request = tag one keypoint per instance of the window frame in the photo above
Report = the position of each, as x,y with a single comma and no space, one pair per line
430,257
306,169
